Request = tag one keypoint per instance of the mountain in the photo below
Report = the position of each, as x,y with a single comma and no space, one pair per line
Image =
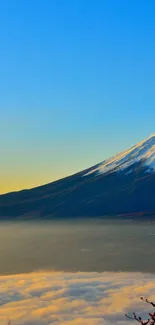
123,184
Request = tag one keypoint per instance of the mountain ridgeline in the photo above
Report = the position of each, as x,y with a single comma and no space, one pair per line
124,184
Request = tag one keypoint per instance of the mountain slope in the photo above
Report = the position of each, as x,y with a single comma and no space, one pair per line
120,185
142,152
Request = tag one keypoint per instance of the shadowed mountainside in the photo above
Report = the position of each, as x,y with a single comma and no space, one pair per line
105,194
124,184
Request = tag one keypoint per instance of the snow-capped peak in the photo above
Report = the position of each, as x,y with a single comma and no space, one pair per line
143,152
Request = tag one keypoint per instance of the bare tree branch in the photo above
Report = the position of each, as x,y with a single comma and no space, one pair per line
150,321
146,300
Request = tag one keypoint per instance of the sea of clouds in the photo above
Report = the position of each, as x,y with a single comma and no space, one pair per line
74,298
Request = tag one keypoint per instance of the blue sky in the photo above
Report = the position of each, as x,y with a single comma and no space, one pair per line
77,85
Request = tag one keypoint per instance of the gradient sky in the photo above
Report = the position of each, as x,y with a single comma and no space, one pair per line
77,85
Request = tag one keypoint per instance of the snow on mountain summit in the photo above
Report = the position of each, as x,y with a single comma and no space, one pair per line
143,152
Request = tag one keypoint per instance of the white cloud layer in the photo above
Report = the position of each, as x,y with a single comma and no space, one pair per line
74,299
